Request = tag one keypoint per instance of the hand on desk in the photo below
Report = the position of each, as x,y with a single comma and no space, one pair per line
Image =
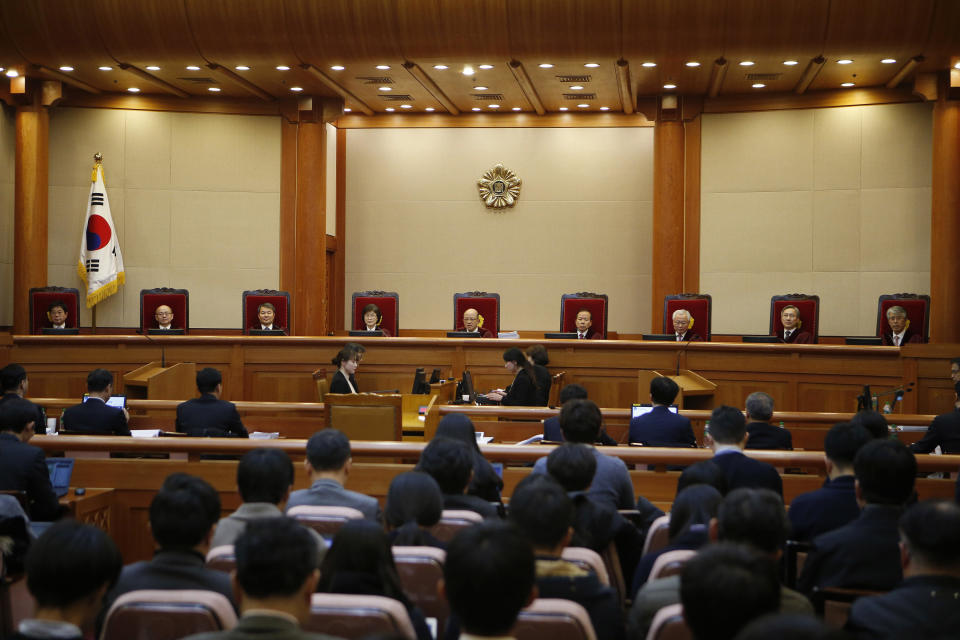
496,395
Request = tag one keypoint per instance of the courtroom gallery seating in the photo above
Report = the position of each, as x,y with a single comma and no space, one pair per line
325,520
552,618
348,615
167,614
40,300
596,303
419,569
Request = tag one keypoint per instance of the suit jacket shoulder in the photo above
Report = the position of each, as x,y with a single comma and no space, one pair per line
209,416
743,471
767,436
329,493
23,467
94,416
338,383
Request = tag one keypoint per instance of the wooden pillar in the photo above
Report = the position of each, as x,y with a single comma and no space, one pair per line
668,200
945,218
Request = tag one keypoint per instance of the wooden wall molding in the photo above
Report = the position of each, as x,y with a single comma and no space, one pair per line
491,121
813,100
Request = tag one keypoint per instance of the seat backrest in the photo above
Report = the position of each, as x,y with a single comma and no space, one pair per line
670,563
168,614
42,297
251,301
596,303
668,624
325,520
323,383
419,569
589,560
486,304
809,307
700,306
658,535
365,416
552,619
452,520
355,616
834,603
917,307
556,384
177,299
387,301
222,558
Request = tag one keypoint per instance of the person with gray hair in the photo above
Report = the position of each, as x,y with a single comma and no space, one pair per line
681,326
792,333
761,434
899,332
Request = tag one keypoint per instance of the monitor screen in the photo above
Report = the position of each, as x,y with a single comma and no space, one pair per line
420,382
463,334
563,335
643,409
114,401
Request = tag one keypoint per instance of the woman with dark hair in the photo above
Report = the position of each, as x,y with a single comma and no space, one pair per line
537,355
347,361
360,562
414,504
530,387
373,319
485,482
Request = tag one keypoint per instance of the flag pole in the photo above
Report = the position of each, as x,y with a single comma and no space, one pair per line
97,162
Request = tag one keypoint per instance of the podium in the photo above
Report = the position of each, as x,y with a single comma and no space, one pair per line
153,381
696,392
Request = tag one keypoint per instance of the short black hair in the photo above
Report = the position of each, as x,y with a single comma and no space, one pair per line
573,465
489,576
724,587
11,376
843,440
727,425
885,471
350,351
371,307
538,353
663,390
268,305
183,511
580,421
874,422
274,557
207,379
328,450
99,380
541,510
692,509
414,497
361,547
69,562
755,517
759,406
571,392
264,475
16,414
449,462
57,303
703,472
930,530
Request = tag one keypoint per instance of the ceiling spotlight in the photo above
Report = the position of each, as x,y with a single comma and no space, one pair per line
383,67
957,66
242,67
693,63
516,109
406,106
493,106
604,108
386,88
592,65
583,105
192,67
467,70
844,61
439,67
390,109
758,85
296,88
280,67
546,65
846,84
791,63
475,109
153,67
105,68
485,66
480,88
337,67
746,63
669,85
131,89
429,109
347,109
649,65
66,68
888,61
11,73
576,87
214,89
563,108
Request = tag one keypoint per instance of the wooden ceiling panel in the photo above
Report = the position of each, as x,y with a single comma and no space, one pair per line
944,38
785,29
257,33
147,32
542,30
343,31
857,27
862,72
365,82
463,31
460,89
555,86
669,31
53,32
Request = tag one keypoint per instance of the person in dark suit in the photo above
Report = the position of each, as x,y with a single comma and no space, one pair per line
94,416
924,605
485,483
275,578
899,332
57,315
69,569
373,320
347,361
450,463
23,467
266,316
760,433
727,436
530,387
682,321
662,427
208,415
865,554
584,325
551,426
472,322
943,432
14,385
835,504
792,334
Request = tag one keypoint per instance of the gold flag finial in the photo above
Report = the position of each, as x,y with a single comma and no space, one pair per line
98,158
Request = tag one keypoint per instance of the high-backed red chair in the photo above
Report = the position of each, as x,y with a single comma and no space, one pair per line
700,306
389,304
809,307
251,304
42,297
596,303
917,307
177,299
486,304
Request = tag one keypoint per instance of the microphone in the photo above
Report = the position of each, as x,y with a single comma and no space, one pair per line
681,352
163,347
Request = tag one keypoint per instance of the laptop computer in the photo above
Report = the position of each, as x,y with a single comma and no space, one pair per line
61,469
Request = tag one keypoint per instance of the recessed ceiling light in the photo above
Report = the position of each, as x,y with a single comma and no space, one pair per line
957,66
66,68
604,108
576,87
429,109
846,84
105,68
214,89
191,67
746,63
563,108
486,66
475,109
296,88
649,64
844,61
133,90
480,88
468,70
337,67
516,109
386,88
390,109
439,67
758,85
583,105
546,65
888,61
347,109
1,69
153,67
790,63
11,73
406,106
493,106
693,63
592,65
242,67
383,67
281,67
669,85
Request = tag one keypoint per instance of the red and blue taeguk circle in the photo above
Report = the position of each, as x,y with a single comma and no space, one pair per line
98,233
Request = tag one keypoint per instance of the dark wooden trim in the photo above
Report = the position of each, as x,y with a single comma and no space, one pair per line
813,100
492,121
691,209
340,260
250,107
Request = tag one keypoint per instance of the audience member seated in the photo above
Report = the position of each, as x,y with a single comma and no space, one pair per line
792,333
14,385
275,578
584,325
681,326
753,518
690,517
899,332
727,436
944,431
789,626
544,514
328,465
662,427
264,481
164,317
360,562
835,504
865,554
924,605
485,483
488,577
955,370
450,463
347,360
725,587
414,505
208,415
23,467
551,426
69,570
873,422
57,315
471,324
760,433
595,523
183,514
373,319
703,472
531,383
580,423
94,416
266,315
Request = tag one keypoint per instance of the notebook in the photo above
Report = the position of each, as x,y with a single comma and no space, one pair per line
60,471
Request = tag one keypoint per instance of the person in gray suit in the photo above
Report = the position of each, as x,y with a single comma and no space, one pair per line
328,464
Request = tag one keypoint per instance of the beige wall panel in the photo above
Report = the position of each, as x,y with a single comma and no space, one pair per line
75,136
7,171
220,305
839,293
895,229
836,230
331,180
742,300
877,283
152,243
149,139
897,142
836,148
744,151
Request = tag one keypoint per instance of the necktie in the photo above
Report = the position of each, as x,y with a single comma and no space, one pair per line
679,338
896,341
579,336
787,334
